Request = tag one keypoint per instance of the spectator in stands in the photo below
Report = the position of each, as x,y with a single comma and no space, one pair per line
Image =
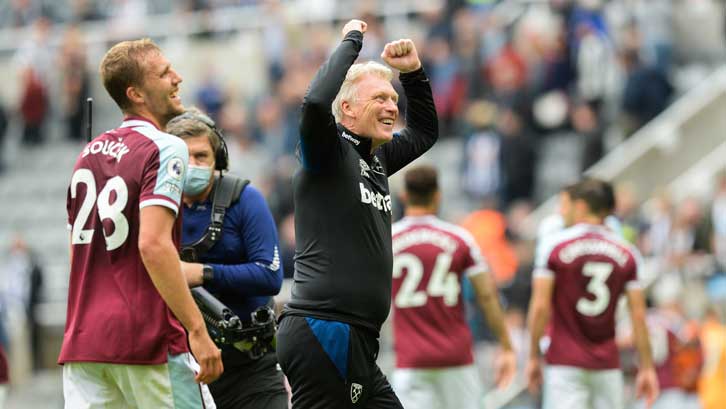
480,165
688,238
271,130
76,83
22,281
594,54
447,84
517,155
586,124
210,95
646,94
33,108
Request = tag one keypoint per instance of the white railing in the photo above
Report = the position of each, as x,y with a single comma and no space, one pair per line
682,143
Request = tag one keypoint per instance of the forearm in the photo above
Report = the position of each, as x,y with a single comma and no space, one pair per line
162,263
247,279
487,297
422,128
495,318
539,315
327,81
421,116
642,341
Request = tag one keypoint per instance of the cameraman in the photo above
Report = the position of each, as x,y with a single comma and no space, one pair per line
242,269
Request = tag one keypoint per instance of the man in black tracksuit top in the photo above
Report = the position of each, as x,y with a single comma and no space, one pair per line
327,342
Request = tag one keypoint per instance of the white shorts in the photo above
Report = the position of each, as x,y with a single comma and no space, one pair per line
441,388
91,385
569,387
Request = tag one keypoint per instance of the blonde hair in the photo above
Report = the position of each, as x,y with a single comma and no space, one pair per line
122,67
349,89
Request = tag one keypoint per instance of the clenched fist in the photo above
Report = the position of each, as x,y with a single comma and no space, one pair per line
401,55
354,25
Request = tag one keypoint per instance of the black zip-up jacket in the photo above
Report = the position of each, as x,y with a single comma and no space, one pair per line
343,256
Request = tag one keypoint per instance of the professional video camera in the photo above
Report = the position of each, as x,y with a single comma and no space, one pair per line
225,327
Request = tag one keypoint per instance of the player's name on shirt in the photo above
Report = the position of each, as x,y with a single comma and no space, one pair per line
591,247
113,149
424,236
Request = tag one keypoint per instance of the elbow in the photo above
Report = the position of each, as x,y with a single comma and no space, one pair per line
316,105
538,312
276,282
150,247
435,127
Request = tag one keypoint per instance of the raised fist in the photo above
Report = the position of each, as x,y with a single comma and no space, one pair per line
354,25
401,55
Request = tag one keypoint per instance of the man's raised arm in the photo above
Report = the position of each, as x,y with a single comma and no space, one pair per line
422,124
318,132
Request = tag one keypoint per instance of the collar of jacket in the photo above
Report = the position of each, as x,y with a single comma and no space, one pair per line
361,144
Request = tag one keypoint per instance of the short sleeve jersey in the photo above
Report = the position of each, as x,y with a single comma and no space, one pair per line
592,267
115,314
430,258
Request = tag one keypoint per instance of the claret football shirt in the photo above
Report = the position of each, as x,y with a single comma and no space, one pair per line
431,258
592,267
115,313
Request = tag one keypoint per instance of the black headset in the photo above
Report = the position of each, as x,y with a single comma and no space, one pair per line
221,156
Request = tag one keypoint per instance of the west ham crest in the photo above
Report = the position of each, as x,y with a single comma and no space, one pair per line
356,390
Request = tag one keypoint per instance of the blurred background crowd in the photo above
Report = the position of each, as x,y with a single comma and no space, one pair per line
530,93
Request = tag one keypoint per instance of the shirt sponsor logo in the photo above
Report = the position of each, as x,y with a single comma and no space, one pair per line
175,167
355,141
110,148
376,199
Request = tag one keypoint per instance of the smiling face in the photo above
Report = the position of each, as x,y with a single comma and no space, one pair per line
373,111
160,88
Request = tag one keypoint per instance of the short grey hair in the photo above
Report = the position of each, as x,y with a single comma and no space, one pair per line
193,122
349,90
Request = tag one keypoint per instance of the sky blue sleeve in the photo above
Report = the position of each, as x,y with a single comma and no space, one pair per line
262,273
163,187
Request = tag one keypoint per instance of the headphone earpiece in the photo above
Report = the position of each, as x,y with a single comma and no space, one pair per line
221,159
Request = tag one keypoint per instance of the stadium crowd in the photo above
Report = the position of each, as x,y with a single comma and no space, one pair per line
532,95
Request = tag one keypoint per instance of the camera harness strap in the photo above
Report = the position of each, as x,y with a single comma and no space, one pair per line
227,190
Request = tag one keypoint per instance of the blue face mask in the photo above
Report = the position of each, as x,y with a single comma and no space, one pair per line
197,180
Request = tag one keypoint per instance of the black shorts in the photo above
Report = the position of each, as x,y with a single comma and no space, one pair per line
250,384
332,365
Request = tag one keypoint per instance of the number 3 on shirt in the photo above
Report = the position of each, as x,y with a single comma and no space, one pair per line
106,209
442,283
599,273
